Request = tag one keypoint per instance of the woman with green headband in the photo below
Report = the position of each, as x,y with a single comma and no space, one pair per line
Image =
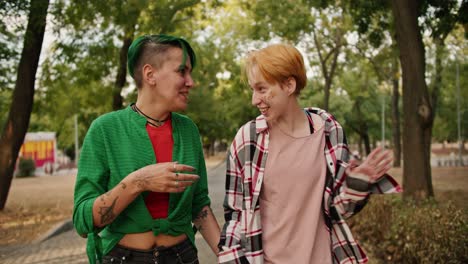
141,179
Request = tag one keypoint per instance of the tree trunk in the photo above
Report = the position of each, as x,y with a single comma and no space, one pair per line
326,97
396,116
23,96
362,129
121,78
360,146
365,137
418,115
328,69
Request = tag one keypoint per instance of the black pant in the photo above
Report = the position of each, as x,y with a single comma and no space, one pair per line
182,253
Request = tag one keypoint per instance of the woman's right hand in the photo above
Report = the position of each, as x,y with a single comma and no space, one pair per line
164,177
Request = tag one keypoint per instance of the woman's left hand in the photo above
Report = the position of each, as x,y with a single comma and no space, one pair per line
375,165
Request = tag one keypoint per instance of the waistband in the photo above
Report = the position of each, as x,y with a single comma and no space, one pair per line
121,251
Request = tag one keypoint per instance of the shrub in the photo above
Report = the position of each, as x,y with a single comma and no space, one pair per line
26,167
400,231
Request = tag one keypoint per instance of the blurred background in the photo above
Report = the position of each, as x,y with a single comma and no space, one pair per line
393,73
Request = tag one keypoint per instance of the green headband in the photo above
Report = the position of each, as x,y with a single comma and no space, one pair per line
135,49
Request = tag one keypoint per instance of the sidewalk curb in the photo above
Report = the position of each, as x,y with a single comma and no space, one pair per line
59,228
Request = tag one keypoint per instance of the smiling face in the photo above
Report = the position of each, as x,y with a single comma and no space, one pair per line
170,82
271,98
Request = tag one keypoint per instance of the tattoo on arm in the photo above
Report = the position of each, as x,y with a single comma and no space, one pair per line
203,214
140,182
107,212
201,217
107,194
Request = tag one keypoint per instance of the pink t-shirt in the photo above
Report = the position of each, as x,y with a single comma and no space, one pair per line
294,229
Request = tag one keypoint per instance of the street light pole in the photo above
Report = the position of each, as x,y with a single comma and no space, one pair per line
77,147
460,142
383,121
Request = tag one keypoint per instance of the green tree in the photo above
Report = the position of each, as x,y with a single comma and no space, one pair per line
363,90
385,64
445,123
23,94
218,103
12,14
418,103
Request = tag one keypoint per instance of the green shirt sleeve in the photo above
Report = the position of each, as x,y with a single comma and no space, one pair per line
92,178
91,182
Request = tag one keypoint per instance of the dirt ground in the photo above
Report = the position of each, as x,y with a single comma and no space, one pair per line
39,203
449,183
34,206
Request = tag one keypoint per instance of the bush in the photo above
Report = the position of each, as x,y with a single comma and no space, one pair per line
26,167
399,231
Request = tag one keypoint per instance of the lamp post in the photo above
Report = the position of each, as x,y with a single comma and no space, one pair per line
383,121
460,142
383,89
77,147
460,112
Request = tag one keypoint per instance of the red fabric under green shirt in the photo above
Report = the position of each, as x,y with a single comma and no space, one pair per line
161,138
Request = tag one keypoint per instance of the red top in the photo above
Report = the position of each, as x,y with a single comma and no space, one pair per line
161,138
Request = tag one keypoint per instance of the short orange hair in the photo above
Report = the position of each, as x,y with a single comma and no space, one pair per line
277,63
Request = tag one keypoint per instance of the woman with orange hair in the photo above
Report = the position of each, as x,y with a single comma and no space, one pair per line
289,180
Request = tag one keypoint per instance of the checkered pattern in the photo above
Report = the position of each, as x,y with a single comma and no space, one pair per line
344,195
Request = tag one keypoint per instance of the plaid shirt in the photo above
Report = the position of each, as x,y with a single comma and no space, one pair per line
344,195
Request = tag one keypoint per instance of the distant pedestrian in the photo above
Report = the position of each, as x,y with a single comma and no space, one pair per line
289,187
141,177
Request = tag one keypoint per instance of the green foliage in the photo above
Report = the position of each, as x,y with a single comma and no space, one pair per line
220,102
73,84
445,123
286,19
26,167
399,231
364,94
441,16
5,100
78,72
12,27
372,18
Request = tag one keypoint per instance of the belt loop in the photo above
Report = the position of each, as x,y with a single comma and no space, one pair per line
126,255
156,255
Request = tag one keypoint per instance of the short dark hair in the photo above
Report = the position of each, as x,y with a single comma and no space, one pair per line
145,47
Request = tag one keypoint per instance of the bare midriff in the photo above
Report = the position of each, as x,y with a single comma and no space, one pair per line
147,240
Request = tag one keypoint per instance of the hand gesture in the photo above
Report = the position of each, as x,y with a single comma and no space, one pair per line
375,165
164,177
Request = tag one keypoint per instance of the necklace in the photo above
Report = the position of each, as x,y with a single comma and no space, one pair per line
153,122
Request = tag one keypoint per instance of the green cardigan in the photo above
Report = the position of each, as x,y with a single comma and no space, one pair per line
117,144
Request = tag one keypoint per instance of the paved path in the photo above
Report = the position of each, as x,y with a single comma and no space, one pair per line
69,248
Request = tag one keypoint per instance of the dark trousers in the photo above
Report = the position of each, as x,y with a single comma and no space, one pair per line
182,253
